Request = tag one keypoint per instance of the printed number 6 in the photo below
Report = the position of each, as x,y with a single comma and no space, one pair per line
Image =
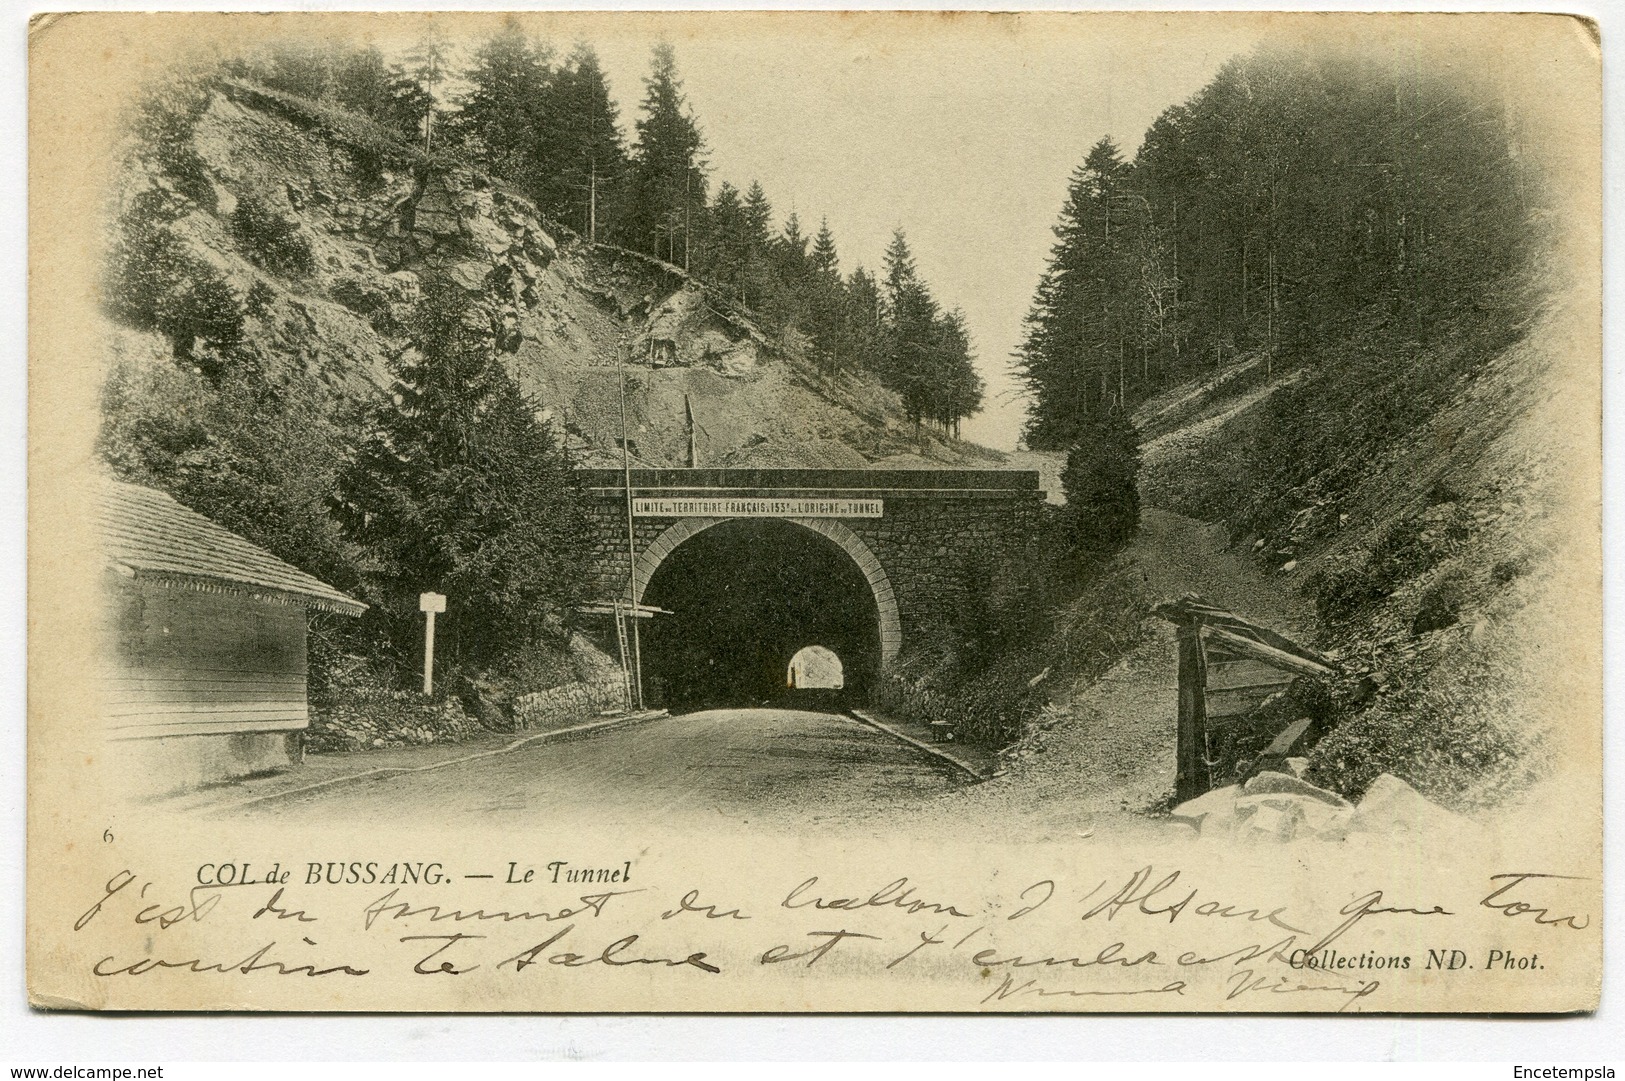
107,836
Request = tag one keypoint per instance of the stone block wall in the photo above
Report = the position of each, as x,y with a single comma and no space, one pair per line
935,548
168,765
608,557
937,552
570,702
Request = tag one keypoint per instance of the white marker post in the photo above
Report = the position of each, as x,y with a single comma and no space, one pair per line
430,603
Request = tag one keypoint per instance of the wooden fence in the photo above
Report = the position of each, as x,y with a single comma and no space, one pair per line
1227,667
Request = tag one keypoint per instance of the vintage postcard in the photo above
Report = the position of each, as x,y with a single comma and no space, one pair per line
815,511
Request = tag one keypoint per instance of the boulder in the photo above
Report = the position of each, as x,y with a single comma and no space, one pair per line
1287,816
1211,810
1276,807
1392,806
1267,819
435,213
540,246
1296,766
403,286
469,275
489,235
1272,783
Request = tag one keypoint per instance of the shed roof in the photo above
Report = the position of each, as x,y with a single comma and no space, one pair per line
1244,636
153,536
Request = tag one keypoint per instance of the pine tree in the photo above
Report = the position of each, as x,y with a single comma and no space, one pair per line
727,242
1078,327
864,334
757,274
1084,323
789,296
361,82
901,275
865,305
588,161
457,488
958,388
505,117
758,216
912,339
423,74
666,194
793,247
300,68
824,258
827,301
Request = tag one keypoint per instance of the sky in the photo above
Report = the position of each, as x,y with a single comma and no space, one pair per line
962,129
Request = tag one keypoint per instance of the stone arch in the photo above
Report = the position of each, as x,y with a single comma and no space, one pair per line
891,624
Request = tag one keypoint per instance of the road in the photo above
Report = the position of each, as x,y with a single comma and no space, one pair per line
728,766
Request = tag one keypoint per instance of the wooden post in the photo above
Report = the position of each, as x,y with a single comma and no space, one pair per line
693,447
428,656
631,544
1191,773
429,604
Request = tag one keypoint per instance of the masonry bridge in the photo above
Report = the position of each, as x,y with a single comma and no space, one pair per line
776,578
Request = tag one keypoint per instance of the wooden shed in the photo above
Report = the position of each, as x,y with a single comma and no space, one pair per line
204,672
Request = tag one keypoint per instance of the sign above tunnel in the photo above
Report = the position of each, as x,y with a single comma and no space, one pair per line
726,507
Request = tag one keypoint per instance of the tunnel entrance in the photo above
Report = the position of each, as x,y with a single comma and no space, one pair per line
746,596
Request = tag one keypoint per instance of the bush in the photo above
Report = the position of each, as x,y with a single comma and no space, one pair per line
162,123
1100,481
363,298
1341,593
1442,602
270,240
1405,549
361,706
260,461
155,281
1459,753
1400,553
993,704
374,145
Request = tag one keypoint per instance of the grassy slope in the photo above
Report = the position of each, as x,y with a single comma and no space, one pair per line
1430,547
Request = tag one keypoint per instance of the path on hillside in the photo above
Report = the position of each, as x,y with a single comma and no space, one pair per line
1112,752
1186,440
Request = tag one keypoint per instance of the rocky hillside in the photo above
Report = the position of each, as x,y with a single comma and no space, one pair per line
302,235
1443,553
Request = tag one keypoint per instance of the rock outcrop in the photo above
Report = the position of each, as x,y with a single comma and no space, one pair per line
312,249
1279,807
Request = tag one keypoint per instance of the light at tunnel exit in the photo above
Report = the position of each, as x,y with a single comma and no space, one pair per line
815,668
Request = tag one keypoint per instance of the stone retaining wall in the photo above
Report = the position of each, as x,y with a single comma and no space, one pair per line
368,716
583,698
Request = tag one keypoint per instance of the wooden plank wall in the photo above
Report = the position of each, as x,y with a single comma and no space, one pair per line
188,662
1236,685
